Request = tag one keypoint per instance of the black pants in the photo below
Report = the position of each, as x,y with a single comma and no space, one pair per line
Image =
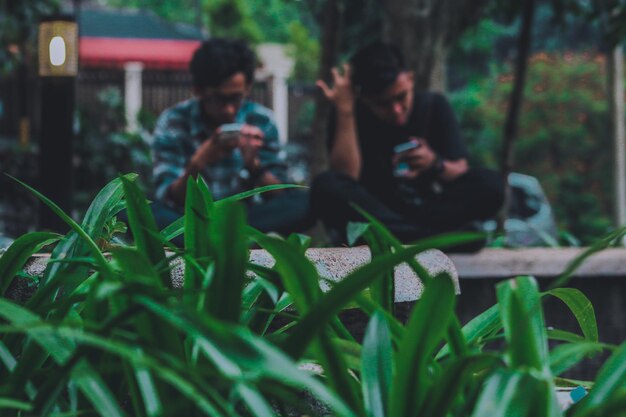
476,195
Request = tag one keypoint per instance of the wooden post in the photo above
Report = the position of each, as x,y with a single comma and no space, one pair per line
616,92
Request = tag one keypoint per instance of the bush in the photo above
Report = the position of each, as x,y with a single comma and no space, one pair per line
106,334
564,138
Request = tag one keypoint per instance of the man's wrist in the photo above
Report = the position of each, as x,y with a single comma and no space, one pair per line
252,176
439,166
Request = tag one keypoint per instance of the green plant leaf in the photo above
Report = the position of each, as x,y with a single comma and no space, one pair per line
250,353
197,239
612,407
93,248
376,366
149,392
16,256
565,356
10,404
597,246
456,374
369,307
524,328
174,229
426,328
514,393
301,280
610,381
230,250
145,233
255,402
344,292
564,336
61,349
256,191
582,309
382,290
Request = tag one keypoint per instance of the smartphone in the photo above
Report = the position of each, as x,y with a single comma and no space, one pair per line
406,146
402,169
229,132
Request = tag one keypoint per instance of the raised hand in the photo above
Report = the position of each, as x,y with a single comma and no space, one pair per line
341,94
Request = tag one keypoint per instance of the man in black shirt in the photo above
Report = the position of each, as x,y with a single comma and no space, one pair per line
398,154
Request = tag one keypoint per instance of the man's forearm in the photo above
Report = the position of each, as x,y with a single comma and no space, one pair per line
345,156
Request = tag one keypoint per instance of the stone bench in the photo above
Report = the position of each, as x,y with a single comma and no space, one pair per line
332,264
601,277
539,262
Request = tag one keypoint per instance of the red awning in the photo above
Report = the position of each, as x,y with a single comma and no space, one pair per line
153,53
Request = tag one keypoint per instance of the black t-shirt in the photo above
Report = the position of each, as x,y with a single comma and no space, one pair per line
431,118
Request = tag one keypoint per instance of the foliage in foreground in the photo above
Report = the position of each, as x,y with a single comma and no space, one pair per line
106,334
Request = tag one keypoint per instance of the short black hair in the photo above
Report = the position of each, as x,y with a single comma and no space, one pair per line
218,59
375,67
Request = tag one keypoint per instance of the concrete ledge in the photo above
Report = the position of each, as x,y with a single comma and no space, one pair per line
332,264
540,262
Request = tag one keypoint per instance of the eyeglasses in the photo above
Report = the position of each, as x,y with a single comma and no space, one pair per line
219,100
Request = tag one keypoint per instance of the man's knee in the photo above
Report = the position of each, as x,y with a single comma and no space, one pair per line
328,183
487,187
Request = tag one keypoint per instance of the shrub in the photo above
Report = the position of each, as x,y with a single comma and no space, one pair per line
106,334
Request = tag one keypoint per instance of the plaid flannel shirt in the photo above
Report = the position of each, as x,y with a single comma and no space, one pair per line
180,131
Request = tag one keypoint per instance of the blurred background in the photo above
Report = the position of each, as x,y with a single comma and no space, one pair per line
534,84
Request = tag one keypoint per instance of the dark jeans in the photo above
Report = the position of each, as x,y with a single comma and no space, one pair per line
476,195
284,213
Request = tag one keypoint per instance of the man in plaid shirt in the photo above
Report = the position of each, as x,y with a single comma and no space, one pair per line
190,140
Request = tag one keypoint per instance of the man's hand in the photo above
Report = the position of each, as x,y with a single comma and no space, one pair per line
341,94
212,150
250,141
419,159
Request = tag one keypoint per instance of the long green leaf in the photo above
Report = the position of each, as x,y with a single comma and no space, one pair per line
457,373
176,228
582,309
301,280
299,275
229,243
565,356
197,238
345,291
95,251
239,345
598,246
510,393
426,328
524,328
8,403
144,229
255,402
61,349
14,259
383,289
610,381
259,190
376,366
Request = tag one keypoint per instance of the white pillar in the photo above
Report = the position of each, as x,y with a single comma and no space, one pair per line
281,105
278,65
132,94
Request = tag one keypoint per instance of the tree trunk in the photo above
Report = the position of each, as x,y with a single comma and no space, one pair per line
515,103
331,34
424,30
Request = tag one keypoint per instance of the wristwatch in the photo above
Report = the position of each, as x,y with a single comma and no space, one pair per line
439,166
